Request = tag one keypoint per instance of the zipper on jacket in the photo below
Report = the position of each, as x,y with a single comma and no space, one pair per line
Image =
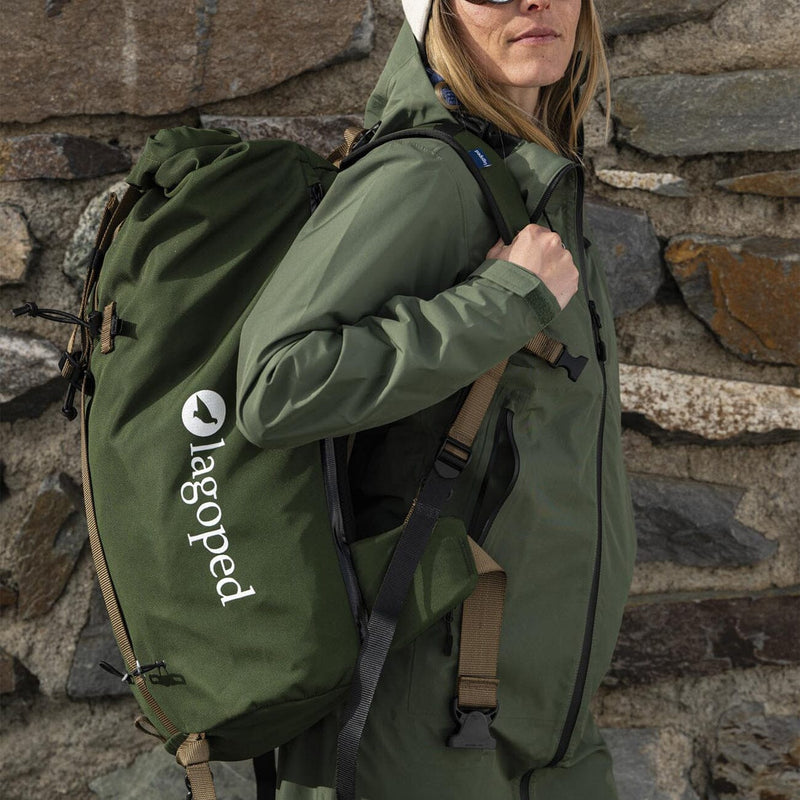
583,665
337,513
505,424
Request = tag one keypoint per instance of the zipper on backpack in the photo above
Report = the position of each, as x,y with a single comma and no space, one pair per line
340,515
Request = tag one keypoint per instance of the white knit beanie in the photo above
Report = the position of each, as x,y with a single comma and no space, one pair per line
417,13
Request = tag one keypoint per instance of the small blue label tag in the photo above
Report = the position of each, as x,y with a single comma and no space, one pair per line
480,158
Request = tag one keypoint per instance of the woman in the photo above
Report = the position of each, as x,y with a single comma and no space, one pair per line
394,297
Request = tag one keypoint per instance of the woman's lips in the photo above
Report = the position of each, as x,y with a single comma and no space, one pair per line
536,36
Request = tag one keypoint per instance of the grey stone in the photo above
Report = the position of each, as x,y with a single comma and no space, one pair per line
58,156
29,376
321,133
48,545
686,115
16,245
679,407
637,16
638,768
757,756
150,57
95,644
663,183
79,250
629,251
156,775
693,523
747,291
662,640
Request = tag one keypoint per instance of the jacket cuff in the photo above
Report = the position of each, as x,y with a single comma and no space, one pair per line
520,281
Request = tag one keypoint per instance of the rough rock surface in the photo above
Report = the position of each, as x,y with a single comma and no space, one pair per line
321,133
746,290
96,644
666,640
748,34
664,183
638,755
29,377
781,183
14,678
629,251
693,407
58,155
76,259
16,245
672,115
757,756
155,774
48,545
637,16
149,58
693,523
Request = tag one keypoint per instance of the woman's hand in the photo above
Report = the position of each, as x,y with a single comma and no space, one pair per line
541,252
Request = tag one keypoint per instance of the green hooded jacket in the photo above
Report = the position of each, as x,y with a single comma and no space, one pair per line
382,310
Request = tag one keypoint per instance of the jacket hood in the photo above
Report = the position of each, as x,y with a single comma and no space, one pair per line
404,97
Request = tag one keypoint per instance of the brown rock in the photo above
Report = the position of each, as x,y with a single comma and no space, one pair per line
694,408
772,184
152,57
48,545
58,155
14,677
757,755
746,290
16,244
321,133
705,637
8,596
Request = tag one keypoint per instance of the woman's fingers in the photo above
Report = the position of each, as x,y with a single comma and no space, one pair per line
541,251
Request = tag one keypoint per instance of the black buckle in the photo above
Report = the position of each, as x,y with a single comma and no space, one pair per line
572,364
473,732
448,464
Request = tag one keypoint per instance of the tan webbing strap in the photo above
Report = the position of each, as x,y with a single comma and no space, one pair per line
119,215
106,586
106,333
545,347
481,622
193,756
351,136
473,410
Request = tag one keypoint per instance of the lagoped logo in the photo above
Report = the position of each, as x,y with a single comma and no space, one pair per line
203,413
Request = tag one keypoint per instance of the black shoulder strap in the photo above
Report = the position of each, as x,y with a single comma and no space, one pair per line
489,170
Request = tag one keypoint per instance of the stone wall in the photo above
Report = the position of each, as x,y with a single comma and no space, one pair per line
695,206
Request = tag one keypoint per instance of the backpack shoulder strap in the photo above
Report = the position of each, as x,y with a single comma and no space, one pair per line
487,167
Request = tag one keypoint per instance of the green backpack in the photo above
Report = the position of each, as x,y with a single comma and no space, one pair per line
242,612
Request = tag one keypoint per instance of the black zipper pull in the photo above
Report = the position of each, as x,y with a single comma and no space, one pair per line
599,344
448,627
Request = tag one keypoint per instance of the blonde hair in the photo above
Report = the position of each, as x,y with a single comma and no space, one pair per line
558,117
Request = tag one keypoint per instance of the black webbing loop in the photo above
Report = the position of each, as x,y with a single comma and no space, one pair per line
382,624
266,776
